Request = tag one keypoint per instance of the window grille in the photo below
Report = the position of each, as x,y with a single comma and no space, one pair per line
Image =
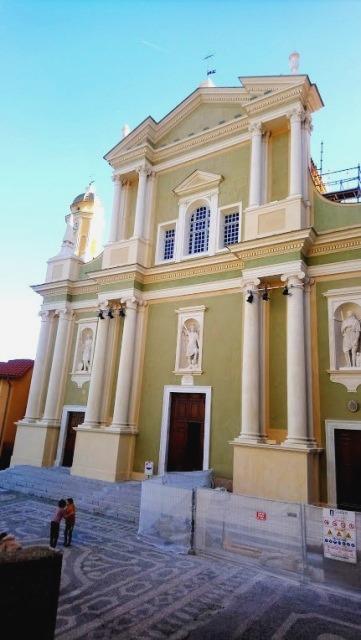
169,239
199,230
231,228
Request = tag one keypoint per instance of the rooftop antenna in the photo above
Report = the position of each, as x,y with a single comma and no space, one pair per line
294,62
321,157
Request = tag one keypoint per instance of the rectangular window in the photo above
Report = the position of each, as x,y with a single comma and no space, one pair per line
231,228
169,239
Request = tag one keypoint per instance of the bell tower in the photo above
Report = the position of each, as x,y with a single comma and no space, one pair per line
82,238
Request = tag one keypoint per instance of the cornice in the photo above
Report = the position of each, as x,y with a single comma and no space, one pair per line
336,240
160,154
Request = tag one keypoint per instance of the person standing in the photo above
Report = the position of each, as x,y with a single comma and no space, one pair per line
55,523
69,521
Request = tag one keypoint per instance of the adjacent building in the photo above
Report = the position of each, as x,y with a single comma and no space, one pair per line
15,377
220,325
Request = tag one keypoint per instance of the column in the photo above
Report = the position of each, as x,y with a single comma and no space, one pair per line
33,409
297,423
140,204
296,168
58,367
255,185
126,185
251,430
94,404
114,225
306,146
125,370
149,205
264,181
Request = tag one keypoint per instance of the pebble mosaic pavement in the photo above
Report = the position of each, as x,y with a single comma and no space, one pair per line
116,587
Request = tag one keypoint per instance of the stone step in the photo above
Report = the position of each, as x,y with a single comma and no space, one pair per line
118,500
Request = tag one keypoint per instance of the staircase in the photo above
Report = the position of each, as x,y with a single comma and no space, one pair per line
116,500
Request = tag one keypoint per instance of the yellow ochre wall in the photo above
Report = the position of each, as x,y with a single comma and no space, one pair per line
16,407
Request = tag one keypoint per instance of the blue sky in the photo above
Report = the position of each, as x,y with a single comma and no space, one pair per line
74,71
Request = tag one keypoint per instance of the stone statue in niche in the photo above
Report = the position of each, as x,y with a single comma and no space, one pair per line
350,330
191,337
86,350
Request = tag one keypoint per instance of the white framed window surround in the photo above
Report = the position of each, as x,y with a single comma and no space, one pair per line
84,351
68,408
166,242
331,426
229,225
164,436
344,331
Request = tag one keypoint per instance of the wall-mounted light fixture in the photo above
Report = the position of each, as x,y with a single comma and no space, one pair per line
100,314
122,312
110,314
249,297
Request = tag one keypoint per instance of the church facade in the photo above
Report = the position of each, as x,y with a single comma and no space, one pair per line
220,326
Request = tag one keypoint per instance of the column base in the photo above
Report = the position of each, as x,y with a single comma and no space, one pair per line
276,472
251,438
103,453
35,444
300,443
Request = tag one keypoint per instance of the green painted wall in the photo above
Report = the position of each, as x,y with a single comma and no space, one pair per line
88,267
278,360
330,215
232,165
74,395
221,365
203,117
333,396
278,169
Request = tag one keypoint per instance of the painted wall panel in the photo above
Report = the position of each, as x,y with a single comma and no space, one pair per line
222,370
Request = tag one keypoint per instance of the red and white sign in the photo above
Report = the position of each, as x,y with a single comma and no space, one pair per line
261,515
339,535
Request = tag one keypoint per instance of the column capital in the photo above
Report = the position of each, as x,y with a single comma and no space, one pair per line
255,128
117,178
65,314
130,303
295,279
143,170
250,284
45,315
297,114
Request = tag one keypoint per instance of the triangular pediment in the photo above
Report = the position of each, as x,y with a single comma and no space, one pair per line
198,181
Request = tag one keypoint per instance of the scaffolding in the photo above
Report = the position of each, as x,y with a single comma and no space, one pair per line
343,186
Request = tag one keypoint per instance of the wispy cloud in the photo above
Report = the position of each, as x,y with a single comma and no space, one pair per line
152,45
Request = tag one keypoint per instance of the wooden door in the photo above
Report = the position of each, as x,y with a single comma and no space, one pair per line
74,419
186,432
348,469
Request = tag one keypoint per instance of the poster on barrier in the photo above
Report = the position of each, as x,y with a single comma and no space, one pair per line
339,535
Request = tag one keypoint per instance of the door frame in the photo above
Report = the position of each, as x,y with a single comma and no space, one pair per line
331,426
67,408
164,434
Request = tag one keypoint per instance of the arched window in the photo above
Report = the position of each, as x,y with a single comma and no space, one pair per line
199,230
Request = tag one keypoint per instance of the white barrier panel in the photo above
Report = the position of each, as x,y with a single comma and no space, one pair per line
254,530
326,570
166,516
